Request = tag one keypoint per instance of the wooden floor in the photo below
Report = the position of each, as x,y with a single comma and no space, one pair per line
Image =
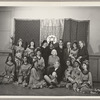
15,90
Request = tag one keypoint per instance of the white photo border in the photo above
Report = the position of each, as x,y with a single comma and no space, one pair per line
60,4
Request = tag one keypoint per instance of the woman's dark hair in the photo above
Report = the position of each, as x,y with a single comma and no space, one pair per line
30,43
44,41
20,40
82,42
78,63
75,44
83,71
86,65
61,40
27,59
10,55
33,63
38,50
51,42
69,59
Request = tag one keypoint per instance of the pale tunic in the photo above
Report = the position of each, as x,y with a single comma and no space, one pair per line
19,51
24,72
86,85
74,53
35,79
41,66
9,73
52,60
87,78
30,52
18,57
76,75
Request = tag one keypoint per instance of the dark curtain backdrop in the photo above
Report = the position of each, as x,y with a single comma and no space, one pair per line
75,30
27,30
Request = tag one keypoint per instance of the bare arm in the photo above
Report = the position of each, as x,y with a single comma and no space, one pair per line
90,79
13,71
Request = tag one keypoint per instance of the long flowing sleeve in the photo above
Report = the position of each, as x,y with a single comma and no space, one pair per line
90,78
13,70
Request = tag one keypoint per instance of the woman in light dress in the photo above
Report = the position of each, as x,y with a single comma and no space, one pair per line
8,75
19,51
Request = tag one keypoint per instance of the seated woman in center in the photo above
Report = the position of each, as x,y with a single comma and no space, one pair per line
53,76
41,62
35,78
52,59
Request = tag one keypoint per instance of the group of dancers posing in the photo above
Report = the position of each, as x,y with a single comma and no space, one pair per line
49,66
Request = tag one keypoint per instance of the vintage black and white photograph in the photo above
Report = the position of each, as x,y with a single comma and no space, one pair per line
50,50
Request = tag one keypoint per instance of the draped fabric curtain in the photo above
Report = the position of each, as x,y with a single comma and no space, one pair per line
27,30
51,27
39,30
75,30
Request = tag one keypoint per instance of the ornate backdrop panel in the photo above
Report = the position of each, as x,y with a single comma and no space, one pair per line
51,27
66,29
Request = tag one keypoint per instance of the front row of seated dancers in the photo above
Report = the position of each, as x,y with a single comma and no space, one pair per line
49,66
